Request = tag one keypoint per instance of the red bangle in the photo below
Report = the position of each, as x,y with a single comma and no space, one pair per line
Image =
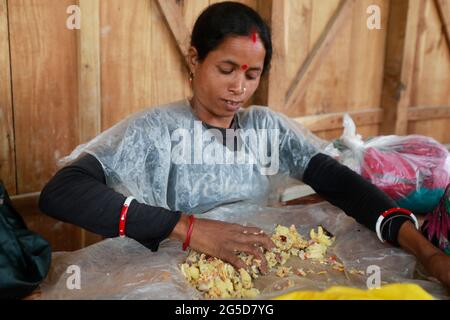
393,210
189,233
123,216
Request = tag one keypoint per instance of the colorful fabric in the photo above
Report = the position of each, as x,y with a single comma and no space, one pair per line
412,170
436,226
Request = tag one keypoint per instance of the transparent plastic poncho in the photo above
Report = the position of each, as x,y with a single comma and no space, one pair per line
166,157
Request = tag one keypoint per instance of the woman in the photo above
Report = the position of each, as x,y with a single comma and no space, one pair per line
151,157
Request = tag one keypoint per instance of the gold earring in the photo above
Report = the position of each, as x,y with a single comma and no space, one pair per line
191,76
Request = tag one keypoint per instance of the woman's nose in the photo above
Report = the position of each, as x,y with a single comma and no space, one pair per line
237,87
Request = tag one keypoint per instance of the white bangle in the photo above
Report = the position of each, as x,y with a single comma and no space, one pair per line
389,212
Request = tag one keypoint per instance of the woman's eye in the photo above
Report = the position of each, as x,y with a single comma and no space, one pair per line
225,71
252,76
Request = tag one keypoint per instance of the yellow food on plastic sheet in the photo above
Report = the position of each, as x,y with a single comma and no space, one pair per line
218,279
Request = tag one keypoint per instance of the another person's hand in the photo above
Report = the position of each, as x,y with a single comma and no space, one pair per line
438,265
224,240
435,261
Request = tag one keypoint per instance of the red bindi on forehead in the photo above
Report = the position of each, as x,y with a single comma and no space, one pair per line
244,67
254,36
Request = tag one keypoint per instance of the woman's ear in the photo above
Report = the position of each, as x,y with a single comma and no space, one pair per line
192,59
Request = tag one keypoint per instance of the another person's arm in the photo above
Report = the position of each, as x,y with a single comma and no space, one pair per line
360,199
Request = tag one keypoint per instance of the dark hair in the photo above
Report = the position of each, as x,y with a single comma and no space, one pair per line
224,19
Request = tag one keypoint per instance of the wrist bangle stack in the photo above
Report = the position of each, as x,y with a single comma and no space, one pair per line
401,212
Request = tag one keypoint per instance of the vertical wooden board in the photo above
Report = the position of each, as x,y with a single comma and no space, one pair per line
44,76
393,62
89,70
328,92
125,29
365,74
298,35
141,66
166,62
432,78
7,144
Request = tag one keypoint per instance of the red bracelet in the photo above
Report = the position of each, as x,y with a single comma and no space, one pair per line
189,233
123,216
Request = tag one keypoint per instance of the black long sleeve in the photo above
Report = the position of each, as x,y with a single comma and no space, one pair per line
78,194
349,191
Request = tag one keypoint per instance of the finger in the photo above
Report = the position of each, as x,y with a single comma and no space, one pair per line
253,250
260,239
254,230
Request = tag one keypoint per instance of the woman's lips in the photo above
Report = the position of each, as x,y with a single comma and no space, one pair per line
232,105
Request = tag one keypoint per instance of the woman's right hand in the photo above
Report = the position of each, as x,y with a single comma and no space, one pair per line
224,240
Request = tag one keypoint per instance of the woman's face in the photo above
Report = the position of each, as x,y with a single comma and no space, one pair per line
228,76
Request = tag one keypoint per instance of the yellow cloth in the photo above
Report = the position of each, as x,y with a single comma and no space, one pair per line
388,292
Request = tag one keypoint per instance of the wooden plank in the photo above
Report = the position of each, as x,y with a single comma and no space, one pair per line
308,70
144,68
415,9
428,113
395,46
7,141
277,77
443,7
167,62
44,78
89,94
301,16
401,49
333,121
44,73
334,68
126,83
431,75
367,54
174,18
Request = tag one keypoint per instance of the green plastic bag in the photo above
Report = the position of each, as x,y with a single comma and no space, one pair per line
24,255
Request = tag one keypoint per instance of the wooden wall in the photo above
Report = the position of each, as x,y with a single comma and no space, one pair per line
61,87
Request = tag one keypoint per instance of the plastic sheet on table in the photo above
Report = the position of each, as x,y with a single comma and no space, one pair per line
123,269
